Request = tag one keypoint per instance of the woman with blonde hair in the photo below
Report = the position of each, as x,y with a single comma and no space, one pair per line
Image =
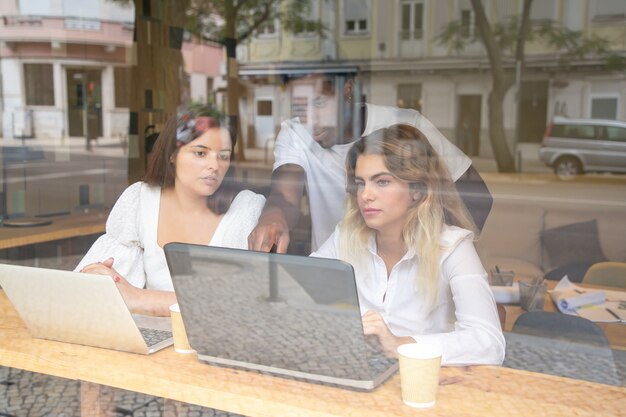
410,241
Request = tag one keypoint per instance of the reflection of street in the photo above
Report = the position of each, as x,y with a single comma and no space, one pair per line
60,177
47,179
599,191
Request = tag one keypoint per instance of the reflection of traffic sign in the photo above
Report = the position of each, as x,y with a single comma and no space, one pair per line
22,123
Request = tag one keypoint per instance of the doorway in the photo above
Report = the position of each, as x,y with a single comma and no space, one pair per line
468,124
532,111
84,102
264,122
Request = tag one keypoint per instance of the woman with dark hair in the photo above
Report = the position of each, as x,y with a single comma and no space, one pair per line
410,240
188,195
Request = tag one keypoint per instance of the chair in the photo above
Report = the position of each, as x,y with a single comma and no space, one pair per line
610,274
562,345
560,326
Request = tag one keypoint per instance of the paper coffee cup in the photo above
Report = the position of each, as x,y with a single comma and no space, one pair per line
419,373
181,344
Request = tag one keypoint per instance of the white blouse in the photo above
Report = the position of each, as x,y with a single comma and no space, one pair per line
464,322
131,235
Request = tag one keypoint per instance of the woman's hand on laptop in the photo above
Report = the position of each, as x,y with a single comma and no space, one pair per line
138,300
374,324
130,293
101,268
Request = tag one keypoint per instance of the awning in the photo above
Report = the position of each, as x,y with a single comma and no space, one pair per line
300,69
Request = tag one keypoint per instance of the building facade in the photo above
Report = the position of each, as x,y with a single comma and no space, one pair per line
394,49
65,68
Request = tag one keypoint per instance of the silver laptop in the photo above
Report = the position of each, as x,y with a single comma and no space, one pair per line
79,308
281,314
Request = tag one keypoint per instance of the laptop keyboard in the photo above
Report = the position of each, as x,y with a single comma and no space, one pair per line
154,336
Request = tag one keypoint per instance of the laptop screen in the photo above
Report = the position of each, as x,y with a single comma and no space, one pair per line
284,314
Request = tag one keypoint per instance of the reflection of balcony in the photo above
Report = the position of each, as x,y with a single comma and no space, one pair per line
411,43
66,29
411,34
82,24
22,21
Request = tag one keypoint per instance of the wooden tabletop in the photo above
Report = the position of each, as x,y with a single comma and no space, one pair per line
615,332
467,391
62,227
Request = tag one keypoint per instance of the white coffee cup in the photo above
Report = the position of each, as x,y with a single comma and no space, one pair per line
419,373
181,344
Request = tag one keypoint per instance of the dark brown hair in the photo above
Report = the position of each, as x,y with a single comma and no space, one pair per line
180,130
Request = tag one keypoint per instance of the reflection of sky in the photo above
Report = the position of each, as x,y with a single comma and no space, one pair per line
314,326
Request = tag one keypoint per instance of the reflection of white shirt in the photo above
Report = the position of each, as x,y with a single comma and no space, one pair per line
465,321
325,175
379,117
326,168
131,234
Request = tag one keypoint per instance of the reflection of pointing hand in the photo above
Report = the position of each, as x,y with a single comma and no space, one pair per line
271,230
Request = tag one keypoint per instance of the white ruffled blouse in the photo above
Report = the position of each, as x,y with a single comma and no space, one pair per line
131,235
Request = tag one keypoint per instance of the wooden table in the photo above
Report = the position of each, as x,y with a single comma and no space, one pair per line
62,227
615,332
468,391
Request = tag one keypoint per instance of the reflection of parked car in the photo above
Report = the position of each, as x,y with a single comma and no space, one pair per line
574,146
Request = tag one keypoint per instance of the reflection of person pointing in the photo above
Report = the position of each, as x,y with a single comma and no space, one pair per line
317,160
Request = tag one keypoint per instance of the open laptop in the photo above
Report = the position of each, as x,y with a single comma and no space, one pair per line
281,314
79,308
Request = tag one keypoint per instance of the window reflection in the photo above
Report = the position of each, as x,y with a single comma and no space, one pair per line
86,86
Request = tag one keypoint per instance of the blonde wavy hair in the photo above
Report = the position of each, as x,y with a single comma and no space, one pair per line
408,156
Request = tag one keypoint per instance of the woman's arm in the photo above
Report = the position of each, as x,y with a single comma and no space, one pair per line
138,300
374,325
121,240
477,337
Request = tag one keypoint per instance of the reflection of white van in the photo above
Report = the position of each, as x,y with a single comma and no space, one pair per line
574,146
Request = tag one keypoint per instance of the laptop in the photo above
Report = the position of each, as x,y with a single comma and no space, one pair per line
80,308
284,315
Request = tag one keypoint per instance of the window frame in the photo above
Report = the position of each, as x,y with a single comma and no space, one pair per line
411,34
357,31
405,87
35,91
315,15
471,27
593,97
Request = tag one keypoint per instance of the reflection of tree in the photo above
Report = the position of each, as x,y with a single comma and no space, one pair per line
156,71
232,22
504,43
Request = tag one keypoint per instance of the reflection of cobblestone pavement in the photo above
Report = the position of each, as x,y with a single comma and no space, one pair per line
307,330
570,360
27,394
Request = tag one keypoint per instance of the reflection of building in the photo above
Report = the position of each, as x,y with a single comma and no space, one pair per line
65,68
393,45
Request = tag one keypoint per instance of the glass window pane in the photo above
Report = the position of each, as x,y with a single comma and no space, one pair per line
406,17
604,108
356,9
122,86
616,133
39,85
